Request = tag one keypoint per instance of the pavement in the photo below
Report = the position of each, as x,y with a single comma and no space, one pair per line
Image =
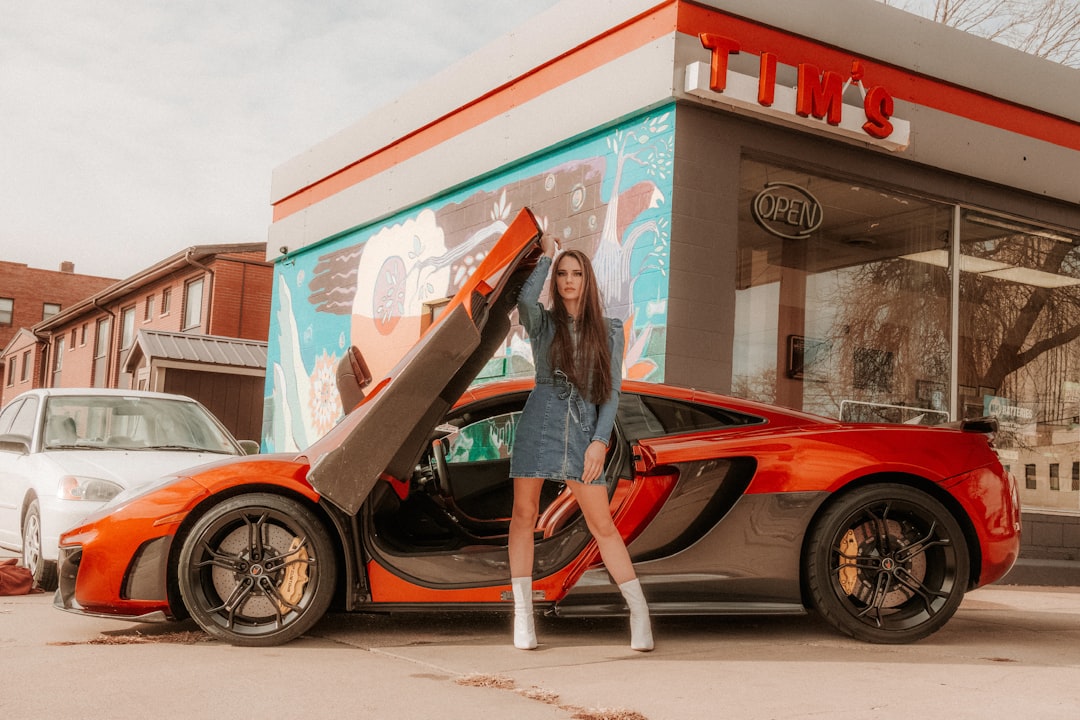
1010,650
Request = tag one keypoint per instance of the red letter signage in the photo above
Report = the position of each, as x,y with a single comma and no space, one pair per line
820,95
721,47
815,100
878,104
766,93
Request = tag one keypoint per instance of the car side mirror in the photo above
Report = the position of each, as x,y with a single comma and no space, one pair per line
250,447
352,377
15,444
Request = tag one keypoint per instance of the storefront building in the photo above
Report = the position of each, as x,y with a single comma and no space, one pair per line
831,205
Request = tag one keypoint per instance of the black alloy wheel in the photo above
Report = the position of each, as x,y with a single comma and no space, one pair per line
257,570
887,564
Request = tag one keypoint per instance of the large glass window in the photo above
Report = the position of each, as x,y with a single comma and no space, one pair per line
1019,344
7,310
839,309
843,307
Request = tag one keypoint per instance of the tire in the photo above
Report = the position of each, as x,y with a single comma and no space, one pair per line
257,570
44,571
887,564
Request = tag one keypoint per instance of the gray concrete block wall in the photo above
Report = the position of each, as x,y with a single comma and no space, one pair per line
1050,536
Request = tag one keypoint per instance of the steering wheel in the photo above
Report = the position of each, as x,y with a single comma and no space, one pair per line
440,472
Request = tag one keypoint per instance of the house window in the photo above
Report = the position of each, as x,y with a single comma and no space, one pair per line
7,309
82,336
1076,476
73,337
127,327
25,367
101,353
12,365
1029,477
148,312
193,297
49,309
1055,480
58,361
166,301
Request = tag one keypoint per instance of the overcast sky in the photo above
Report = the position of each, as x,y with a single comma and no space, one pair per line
132,130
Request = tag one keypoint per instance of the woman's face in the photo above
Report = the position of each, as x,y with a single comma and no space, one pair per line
570,279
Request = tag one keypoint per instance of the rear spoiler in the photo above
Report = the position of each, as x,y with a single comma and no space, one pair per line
986,425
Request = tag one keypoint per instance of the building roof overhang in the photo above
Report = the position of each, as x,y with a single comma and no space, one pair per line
192,257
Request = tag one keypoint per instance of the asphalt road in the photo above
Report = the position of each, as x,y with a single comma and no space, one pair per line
1011,651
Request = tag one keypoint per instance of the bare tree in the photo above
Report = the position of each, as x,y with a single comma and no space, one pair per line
1046,28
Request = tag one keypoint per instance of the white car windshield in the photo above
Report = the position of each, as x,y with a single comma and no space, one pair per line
131,423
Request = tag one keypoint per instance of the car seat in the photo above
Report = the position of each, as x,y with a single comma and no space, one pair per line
60,430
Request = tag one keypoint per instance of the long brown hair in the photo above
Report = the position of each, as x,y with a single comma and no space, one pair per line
588,363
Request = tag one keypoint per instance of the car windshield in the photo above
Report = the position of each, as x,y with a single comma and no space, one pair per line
132,423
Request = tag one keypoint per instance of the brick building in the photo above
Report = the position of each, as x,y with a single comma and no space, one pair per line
195,323
28,296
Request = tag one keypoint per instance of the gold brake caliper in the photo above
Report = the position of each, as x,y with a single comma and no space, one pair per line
295,578
849,551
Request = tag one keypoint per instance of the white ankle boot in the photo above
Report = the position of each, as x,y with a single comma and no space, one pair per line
524,628
640,627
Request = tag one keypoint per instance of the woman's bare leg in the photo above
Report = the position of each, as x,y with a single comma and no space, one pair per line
593,501
520,549
523,525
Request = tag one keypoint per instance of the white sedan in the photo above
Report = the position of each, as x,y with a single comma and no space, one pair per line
65,452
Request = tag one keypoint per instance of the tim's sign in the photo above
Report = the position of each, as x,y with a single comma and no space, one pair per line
817,100
787,211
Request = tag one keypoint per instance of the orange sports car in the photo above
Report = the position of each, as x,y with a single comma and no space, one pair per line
727,506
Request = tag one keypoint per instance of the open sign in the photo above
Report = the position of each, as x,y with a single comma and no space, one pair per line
787,211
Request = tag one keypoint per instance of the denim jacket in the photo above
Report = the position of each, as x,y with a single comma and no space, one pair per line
540,325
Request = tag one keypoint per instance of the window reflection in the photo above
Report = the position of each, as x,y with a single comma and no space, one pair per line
1019,321
843,322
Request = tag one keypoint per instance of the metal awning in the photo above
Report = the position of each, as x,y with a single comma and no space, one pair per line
156,345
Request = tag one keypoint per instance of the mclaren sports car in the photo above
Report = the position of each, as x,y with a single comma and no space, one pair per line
727,506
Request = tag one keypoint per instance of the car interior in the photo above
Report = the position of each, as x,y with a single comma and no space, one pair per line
459,497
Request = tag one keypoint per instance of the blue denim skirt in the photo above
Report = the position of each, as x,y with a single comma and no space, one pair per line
553,432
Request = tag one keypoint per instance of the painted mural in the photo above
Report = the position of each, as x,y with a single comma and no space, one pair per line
376,287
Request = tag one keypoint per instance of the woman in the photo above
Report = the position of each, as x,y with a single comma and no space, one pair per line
564,431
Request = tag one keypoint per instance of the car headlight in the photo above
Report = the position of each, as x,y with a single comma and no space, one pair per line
76,487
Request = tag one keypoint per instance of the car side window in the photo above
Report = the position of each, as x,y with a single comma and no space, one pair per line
489,439
26,418
647,416
8,415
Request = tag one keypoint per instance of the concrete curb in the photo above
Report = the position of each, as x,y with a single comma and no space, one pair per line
1053,573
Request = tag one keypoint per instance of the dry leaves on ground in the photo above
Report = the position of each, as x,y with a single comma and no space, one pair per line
501,682
187,637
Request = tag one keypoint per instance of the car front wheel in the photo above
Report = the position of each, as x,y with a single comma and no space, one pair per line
257,570
887,564
44,571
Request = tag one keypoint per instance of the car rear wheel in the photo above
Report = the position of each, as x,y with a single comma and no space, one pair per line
44,571
887,564
257,570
